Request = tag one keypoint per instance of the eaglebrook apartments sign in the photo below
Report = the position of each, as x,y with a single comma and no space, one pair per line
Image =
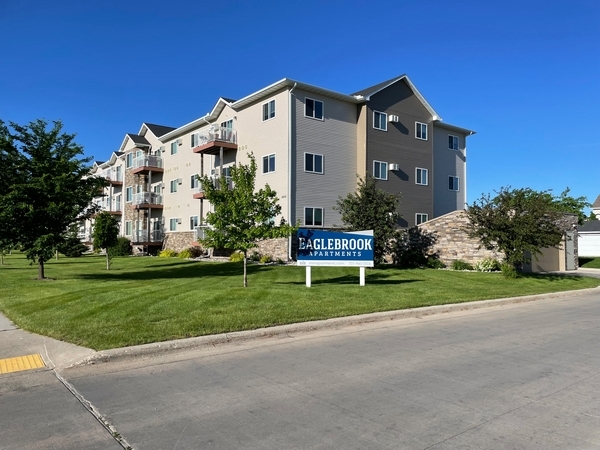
335,248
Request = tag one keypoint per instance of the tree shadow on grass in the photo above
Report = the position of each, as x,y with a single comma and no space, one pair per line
370,278
578,277
190,269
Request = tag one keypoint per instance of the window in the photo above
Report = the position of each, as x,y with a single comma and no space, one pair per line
379,120
157,188
229,123
421,218
313,217
421,130
194,182
173,186
174,146
421,176
268,163
453,183
129,194
194,140
193,222
227,172
269,110
313,163
129,160
380,170
173,224
128,228
313,108
452,142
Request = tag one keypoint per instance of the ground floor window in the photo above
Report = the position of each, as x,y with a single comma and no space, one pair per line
313,217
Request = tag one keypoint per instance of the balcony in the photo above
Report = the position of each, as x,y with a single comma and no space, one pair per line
85,237
145,164
200,233
144,237
106,206
198,192
115,178
210,142
147,200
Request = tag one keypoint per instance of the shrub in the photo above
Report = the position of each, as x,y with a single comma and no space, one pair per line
509,271
196,252
265,259
459,264
255,256
167,253
413,248
185,254
435,263
236,257
72,247
487,265
280,261
122,248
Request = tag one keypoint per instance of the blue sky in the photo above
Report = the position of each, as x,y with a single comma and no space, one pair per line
525,75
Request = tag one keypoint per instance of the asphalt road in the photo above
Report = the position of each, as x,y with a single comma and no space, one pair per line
523,376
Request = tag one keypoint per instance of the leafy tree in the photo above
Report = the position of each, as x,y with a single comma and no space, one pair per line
71,245
592,216
242,216
413,247
371,208
105,234
47,189
575,205
515,221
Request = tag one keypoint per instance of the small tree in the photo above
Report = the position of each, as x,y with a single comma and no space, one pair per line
71,246
44,188
515,221
105,234
575,205
371,208
242,216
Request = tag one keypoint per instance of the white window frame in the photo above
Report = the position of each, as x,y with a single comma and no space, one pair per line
154,187
129,225
174,146
426,171
129,160
268,158
382,176
269,112
382,120
128,194
419,131
173,224
419,218
314,116
314,155
173,185
194,223
194,140
454,144
194,181
313,215
455,183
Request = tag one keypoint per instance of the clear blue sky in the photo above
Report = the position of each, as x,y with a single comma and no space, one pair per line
524,74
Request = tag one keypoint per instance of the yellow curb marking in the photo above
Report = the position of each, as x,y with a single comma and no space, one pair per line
19,363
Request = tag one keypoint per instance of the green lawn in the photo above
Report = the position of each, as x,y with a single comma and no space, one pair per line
145,300
589,263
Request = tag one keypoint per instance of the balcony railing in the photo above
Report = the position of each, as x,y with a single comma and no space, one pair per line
215,133
113,176
145,236
200,232
151,198
148,161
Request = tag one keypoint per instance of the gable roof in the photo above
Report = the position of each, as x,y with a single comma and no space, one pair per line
157,130
591,225
370,91
596,204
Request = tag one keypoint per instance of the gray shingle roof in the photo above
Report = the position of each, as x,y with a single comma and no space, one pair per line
370,90
596,203
592,225
137,139
158,130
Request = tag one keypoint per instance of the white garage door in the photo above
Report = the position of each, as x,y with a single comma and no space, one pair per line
589,244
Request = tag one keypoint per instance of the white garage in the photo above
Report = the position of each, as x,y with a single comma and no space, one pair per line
588,239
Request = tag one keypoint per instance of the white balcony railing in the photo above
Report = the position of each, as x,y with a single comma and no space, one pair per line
112,175
200,232
216,133
148,161
145,236
147,197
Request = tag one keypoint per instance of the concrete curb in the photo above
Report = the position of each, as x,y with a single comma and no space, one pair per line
158,348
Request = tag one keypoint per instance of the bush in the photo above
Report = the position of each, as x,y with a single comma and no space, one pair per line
72,247
122,248
255,256
265,259
413,248
487,265
280,261
435,263
236,257
509,271
168,253
459,264
185,254
196,252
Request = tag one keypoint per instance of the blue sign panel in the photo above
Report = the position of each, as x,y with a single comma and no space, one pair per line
335,248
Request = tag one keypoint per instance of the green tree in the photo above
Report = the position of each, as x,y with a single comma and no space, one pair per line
48,189
575,205
371,208
72,246
241,216
514,222
105,234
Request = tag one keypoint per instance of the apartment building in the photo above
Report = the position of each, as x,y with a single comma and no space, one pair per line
310,144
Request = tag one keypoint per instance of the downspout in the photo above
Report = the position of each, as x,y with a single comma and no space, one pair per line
289,190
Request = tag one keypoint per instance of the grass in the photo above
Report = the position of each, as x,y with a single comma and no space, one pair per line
589,263
145,300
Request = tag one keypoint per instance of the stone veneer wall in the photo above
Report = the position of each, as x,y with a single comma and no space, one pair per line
178,241
452,240
275,248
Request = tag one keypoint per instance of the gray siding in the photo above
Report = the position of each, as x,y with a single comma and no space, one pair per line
398,145
334,137
446,163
